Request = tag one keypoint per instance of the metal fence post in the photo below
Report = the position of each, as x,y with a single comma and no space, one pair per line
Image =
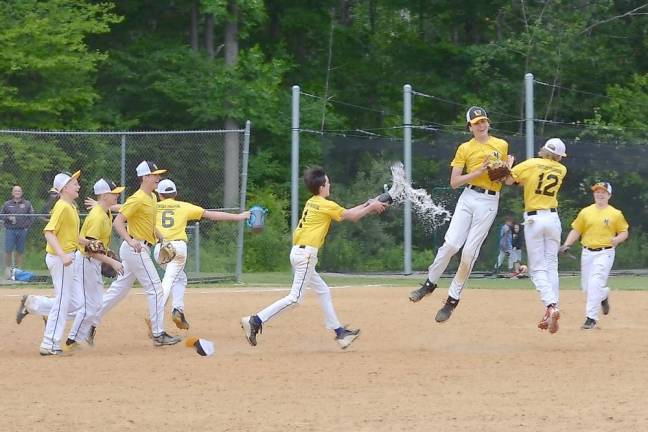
407,162
123,166
197,245
294,167
244,174
528,114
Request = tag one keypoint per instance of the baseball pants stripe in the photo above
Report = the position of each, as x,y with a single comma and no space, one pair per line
62,278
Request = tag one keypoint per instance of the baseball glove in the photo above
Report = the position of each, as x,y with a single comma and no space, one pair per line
106,269
95,246
498,171
167,253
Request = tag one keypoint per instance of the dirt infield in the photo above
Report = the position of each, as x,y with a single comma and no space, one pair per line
487,369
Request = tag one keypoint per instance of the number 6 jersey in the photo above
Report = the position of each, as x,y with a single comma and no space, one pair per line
542,179
172,218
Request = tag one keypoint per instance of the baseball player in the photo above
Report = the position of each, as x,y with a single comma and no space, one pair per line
62,235
541,178
87,288
308,238
601,229
475,211
139,211
171,222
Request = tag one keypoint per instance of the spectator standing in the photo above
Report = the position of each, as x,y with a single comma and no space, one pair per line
16,227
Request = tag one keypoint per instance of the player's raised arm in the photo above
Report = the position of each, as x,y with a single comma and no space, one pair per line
224,216
358,212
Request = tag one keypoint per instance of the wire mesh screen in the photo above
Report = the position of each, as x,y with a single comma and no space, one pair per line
206,167
359,166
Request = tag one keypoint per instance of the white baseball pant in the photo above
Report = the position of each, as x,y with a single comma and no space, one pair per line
137,266
89,290
303,261
471,221
62,279
174,280
542,235
595,269
85,297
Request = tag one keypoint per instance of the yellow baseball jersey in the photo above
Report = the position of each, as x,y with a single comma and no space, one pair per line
470,155
172,217
542,179
64,223
139,210
98,225
598,226
316,220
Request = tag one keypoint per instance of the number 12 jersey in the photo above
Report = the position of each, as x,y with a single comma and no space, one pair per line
542,179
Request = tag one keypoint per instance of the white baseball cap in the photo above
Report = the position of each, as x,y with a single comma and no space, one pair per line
555,146
61,179
147,168
602,185
166,186
107,186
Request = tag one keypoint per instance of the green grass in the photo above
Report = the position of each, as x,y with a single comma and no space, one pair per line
567,281
284,279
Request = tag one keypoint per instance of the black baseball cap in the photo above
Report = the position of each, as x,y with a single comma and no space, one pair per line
474,114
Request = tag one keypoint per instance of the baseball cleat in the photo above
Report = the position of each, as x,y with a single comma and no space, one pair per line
50,352
251,327
71,345
165,339
22,309
346,337
179,319
425,289
552,321
605,306
446,311
589,324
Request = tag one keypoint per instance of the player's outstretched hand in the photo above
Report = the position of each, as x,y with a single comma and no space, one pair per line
378,206
89,203
244,216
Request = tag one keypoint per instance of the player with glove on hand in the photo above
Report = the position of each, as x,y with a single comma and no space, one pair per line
87,287
475,210
171,222
308,238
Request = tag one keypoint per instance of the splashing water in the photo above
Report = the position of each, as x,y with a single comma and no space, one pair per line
431,214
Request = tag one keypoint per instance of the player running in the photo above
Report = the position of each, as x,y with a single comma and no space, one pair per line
601,228
308,238
541,178
475,211
139,211
171,222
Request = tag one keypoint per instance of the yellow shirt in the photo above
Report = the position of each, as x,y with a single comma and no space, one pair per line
316,221
98,225
598,226
139,210
542,179
64,223
172,217
470,155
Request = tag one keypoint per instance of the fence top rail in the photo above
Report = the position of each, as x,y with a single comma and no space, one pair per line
173,132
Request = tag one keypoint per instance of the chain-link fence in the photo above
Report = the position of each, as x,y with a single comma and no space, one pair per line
208,167
359,166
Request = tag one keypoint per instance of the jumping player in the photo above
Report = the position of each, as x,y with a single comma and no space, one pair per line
87,289
308,238
171,222
475,211
601,228
542,177
139,211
